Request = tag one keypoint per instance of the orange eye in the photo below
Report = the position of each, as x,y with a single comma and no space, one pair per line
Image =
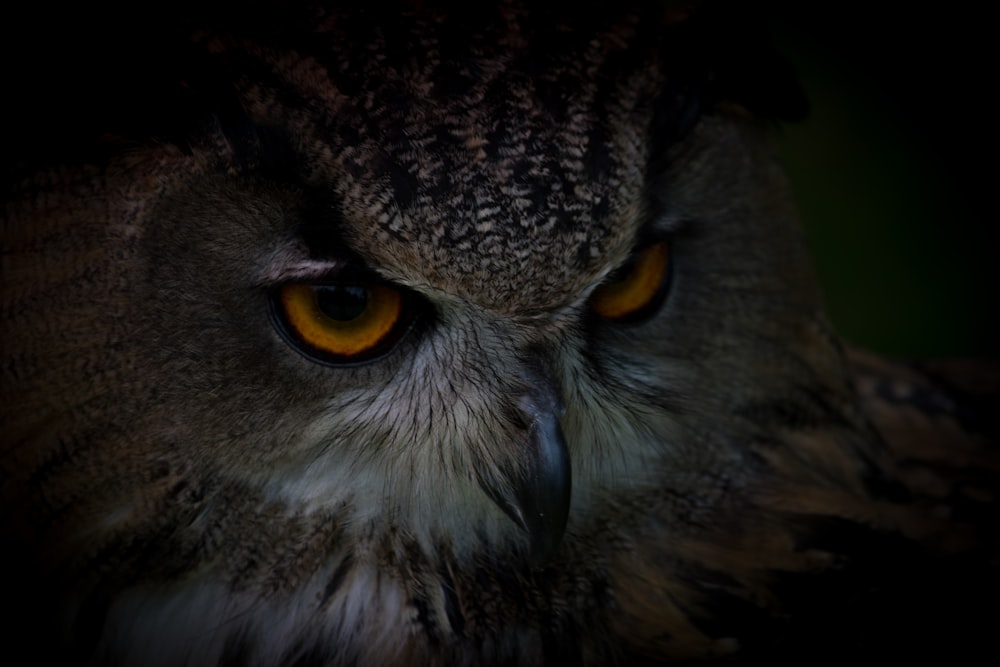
340,323
638,289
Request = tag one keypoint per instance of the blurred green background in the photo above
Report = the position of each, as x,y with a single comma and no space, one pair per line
893,172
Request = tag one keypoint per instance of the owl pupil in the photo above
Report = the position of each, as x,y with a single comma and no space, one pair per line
341,302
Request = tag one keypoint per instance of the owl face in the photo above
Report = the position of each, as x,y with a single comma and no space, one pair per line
414,294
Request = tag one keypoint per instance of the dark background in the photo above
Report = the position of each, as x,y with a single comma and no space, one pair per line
894,171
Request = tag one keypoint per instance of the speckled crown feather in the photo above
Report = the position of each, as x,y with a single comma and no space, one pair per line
514,133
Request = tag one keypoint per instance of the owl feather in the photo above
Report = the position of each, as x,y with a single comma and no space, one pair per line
595,413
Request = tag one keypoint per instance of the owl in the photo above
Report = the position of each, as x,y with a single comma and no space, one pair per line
342,335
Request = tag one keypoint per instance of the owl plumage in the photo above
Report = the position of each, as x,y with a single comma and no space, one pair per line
509,473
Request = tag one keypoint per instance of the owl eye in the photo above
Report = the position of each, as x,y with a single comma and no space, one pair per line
638,289
341,323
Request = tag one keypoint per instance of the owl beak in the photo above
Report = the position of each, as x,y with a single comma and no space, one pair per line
537,495
544,495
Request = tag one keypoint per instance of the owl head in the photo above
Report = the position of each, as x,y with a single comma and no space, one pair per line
356,309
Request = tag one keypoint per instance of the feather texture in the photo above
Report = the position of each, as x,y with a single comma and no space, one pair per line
518,480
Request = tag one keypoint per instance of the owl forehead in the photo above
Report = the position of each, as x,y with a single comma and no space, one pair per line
502,160
520,221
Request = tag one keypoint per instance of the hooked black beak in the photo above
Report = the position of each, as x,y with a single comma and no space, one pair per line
536,495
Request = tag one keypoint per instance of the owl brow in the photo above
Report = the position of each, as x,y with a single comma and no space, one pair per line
316,249
301,270
659,226
296,261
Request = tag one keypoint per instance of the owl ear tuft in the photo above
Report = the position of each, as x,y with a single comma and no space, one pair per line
729,49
